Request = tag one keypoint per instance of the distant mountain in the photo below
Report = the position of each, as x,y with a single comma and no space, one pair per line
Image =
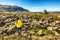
10,8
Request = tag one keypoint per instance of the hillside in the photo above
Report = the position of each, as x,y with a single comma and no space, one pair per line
36,26
10,8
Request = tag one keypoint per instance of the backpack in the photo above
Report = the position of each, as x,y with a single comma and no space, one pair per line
18,23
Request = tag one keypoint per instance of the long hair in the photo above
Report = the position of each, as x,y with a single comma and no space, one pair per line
17,18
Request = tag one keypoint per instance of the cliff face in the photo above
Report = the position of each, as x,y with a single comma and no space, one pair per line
10,8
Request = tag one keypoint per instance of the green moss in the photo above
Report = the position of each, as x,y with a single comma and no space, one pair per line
46,32
58,30
54,18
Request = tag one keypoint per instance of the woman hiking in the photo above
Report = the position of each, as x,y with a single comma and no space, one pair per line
18,25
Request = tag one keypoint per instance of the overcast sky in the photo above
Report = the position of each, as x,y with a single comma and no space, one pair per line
34,5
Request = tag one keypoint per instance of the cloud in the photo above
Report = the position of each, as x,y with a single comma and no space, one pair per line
39,9
36,9
6,3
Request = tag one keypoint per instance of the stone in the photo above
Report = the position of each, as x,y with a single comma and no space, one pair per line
55,28
34,37
24,34
11,27
57,21
31,32
50,28
56,33
40,21
40,32
6,37
50,38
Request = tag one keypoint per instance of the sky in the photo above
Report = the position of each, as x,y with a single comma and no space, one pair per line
34,5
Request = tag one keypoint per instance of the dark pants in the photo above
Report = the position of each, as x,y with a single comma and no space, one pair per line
18,30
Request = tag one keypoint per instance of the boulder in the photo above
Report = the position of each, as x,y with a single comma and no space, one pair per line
50,28
56,33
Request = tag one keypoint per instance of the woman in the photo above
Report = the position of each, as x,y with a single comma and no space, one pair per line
18,25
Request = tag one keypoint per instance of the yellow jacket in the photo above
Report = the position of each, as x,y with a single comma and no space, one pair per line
18,23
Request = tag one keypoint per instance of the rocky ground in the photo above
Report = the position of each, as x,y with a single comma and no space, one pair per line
36,26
